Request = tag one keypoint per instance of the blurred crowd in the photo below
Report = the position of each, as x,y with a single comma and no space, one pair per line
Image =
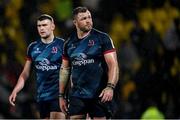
146,34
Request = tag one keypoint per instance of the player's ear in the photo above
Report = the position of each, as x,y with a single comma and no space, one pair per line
53,26
74,22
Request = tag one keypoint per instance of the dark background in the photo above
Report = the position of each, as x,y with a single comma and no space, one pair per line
146,34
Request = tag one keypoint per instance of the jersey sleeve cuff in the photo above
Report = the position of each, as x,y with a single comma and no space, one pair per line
109,51
65,58
28,58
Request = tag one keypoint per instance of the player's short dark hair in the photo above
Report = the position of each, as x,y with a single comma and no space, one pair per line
79,10
44,17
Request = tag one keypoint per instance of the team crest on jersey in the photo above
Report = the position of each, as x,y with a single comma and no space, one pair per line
91,43
54,50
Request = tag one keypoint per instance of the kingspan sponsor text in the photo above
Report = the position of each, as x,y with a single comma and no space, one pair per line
83,62
46,67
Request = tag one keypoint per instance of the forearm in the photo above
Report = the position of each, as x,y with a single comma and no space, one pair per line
20,84
113,69
113,74
64,79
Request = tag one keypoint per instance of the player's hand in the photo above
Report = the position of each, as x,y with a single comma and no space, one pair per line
63,105
12,99
107,94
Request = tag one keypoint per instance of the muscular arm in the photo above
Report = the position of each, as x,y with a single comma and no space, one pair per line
113,68
64,76
21,81
63,83
113,76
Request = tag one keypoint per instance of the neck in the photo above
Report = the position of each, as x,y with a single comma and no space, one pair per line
48,39
82,34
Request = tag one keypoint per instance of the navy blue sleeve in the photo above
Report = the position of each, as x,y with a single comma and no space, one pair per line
28,54
107,44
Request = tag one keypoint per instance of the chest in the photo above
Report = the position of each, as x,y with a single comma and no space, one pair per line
51,52
87,48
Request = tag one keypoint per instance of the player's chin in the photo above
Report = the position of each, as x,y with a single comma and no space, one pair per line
44,36
88,28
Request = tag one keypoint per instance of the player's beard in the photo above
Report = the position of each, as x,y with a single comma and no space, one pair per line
86,28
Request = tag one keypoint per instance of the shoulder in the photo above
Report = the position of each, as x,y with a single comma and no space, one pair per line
71,38
102,36
68,41
60,40
33,44
99,33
